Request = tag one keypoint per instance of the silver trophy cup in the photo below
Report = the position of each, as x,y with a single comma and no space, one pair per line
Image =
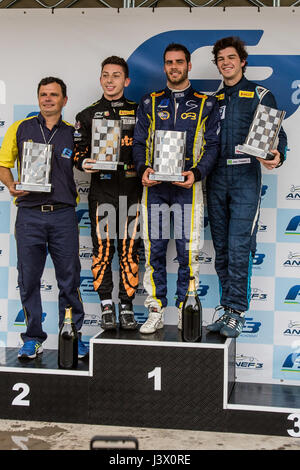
263,132
106,141
169,156
36,167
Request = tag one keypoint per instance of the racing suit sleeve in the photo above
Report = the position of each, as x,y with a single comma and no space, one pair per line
141,139
210,150
269,100
82,139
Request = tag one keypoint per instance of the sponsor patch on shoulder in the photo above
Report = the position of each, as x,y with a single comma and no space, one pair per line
200,96
246,94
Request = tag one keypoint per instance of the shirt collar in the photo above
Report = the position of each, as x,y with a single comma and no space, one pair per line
42,121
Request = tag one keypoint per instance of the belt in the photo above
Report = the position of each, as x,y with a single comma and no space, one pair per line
50,207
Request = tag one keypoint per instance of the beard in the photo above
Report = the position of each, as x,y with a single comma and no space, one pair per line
180,78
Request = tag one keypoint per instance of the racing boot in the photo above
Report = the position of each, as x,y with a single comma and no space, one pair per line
154,322
126,317
220,322
234,324
108,319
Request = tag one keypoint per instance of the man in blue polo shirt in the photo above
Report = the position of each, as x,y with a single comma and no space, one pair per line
46,222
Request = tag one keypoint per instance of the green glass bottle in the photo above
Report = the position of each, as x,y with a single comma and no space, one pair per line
191,314
68,343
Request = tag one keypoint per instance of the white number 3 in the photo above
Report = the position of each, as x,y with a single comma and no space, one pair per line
296,418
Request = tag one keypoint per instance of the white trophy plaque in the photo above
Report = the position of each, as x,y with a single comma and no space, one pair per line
263,132
169,156
36,167
105,146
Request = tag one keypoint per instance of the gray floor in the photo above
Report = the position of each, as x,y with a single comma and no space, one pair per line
33,435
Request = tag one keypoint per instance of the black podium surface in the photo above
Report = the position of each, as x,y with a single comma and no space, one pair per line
154,380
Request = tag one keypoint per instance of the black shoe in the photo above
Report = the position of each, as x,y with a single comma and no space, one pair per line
126,317
108,319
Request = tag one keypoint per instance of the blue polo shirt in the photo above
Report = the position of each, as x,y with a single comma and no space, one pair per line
62,180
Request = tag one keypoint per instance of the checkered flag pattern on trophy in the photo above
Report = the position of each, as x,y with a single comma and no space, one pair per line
106,139
168,156
263,132
36,167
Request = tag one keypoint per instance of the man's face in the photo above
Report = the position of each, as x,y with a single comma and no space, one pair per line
176,69
51,100
113,81
230,65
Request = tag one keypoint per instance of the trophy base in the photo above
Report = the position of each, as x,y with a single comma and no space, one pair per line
255,152
112,166
38,188
165,178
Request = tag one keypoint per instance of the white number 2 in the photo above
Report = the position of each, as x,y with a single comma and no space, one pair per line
296,418
156,373
19,399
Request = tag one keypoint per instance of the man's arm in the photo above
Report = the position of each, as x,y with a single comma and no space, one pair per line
280,152
8,156
211,142
82,147
142,139
6,177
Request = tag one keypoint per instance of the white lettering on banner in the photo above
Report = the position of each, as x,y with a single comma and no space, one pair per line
2,92
296,95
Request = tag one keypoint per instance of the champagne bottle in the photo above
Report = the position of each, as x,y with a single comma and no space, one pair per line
191,314
68,343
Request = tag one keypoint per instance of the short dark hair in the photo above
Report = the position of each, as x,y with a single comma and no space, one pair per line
178,47
48,80
231,41
115,60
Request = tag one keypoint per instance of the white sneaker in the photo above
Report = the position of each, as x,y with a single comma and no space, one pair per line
154,322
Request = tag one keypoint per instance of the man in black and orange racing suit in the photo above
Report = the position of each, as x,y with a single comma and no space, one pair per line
114,197
180,108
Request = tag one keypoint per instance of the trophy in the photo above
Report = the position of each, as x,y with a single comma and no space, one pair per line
169,156
105,148
263,132
36,167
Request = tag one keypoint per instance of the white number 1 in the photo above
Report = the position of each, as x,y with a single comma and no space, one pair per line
156,373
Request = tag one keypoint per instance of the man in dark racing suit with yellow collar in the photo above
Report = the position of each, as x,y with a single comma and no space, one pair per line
117,193
234,186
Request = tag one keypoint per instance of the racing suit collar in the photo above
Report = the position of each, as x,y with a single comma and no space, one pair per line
178,94
231,89
114,103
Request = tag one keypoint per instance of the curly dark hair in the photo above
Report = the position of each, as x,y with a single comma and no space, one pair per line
231,41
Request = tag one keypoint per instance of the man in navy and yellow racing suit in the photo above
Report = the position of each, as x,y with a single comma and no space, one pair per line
178,107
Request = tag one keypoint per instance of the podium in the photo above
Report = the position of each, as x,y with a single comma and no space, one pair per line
155,380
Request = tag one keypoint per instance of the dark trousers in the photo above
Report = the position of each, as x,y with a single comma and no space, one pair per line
38,233
233,203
